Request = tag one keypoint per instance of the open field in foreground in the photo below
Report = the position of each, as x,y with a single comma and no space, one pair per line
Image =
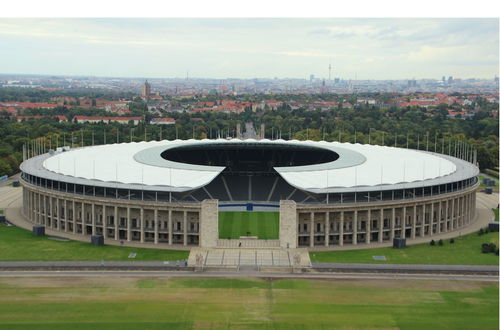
17,244
185,303
265,225
465,251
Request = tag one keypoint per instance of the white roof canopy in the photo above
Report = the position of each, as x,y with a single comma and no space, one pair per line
358,166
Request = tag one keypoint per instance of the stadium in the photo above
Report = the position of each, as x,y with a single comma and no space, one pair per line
274,193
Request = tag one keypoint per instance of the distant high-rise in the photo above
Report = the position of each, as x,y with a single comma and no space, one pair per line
146,89
450,80
311,78
412,83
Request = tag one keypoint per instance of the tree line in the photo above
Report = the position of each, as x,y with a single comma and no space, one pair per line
400,127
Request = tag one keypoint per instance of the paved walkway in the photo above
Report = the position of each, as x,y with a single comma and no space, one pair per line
247,257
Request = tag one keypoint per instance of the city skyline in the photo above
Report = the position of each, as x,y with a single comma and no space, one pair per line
363,49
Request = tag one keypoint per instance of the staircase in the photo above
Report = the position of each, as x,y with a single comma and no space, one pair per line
248,243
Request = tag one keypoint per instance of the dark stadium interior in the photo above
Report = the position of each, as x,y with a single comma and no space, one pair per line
254,188
249,174
246,158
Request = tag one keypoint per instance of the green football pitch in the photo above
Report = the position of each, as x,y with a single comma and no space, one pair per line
264,225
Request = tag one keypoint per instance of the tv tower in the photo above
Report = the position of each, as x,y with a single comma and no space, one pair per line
330,71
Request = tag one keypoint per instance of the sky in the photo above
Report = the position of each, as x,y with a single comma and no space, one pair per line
363,48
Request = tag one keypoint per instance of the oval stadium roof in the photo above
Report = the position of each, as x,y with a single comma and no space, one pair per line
362,167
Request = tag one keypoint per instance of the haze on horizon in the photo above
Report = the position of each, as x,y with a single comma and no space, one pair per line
252,47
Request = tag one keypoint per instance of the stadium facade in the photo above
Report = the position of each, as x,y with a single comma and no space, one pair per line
329,194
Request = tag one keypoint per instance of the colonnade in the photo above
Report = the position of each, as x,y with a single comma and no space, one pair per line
368,222
157,223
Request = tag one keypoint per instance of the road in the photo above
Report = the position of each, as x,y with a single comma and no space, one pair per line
249,131
9,180
322,276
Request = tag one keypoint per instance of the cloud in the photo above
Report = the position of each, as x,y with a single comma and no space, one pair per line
374,48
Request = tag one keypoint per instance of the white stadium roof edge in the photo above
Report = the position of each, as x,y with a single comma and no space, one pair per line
360,167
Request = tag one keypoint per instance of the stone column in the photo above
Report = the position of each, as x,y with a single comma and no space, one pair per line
422,229
466,208
104,222
381,227
39,213
30,204
462,202
474,204
45,215
341,234
209,223
156,224
403,225
33,206
471,197
438,228
369,226
467,202
84,219
58,213
355,228
129,224
170,237
116,221
51,211
288,224
393,223
414,222
452,214
431,220
66,215
142,225
463,211
93,216
184,229
327,228
446,220
311,231
31,217
74,217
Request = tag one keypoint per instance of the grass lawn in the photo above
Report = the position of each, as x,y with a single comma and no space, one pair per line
265,225
496,214
17,244
186,303
465,251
